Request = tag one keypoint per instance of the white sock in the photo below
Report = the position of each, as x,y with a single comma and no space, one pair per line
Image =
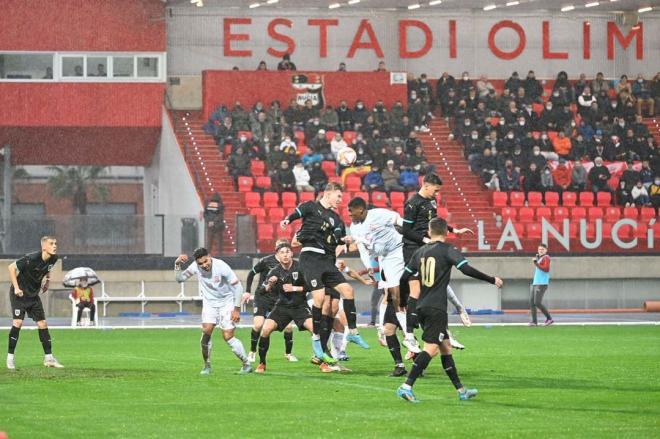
238,349
401,317
381,313
49,356
10,356
338,341
344,342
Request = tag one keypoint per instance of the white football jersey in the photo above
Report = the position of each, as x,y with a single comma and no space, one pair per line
380,236
215,286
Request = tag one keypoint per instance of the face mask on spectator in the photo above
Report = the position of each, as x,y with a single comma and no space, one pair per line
521,122
657,181
547,171
640,80
467,123
573,123
360,106
316,122
501,121
537,152
548,107
556,94
544,137
510,136
465,77
622,123
475,137
243,138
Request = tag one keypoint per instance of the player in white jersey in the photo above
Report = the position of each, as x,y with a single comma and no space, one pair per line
222,295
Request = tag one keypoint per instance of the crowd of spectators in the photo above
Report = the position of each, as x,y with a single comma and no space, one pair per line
524,140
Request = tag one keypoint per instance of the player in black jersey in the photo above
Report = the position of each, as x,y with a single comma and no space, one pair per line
418,211
287,281
434,262
321,232
30,276
263,303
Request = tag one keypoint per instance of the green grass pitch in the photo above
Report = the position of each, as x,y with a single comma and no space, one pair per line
557,382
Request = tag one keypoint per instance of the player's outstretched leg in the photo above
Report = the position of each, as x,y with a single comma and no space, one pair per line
346,292
238,350
450,369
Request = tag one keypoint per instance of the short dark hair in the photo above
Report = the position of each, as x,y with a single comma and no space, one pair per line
200,252
544,245
438,226
432,179
357,202
333,186
283,244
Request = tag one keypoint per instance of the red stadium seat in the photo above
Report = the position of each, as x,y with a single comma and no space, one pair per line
247,134
509,213
354,184
595,213
363,195
630,213
604,199
526,214
289,200
379,199
578,213
299,136
259,213
500,199
329,167
306,196
641,231
646,214
245,183
227,150
334,179
252,199
263,183
586,199
533,231
560,213
543,212
400,211
329,135
534,199
517,199
265,231
568,199
607,231
397,199
258,167
349,137
551,199
520,229
275,214
612,214
271,199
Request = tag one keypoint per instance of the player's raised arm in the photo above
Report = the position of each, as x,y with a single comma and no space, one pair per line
458,260
182,276
297,213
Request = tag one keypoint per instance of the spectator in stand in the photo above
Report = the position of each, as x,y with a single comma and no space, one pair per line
509,178
360,115
654,193
593,115
83,296
239,165
302,178
329,119
485,88
531,117
600,84
391,177
532,179
464,85
243,142
214,218
224,134
261,127
424,89
262,66
533,88
286,63
513,83
617,150
648,151
494,183
519,158
623,196
655,90
639,127
548,119
562,145
310,114
646,174
373,181
581,84
599,176
449,103
409,180
562,177
317,178
547,182
613,109
319,144
240,117
563,92
362,155
600,149
537,157
486,166
578,177
287,143
640,195
579,147
623,86
381,67
342,67
336,144
345,117
445,82
415,161
585,100
473,148
284,180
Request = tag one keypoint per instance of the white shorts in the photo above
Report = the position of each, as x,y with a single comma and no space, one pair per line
218,315
391,268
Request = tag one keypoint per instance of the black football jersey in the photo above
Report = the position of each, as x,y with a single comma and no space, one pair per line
31,271
321,228
291,276
417,213
262,268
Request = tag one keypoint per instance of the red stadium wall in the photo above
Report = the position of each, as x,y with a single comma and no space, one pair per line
76,25
226,87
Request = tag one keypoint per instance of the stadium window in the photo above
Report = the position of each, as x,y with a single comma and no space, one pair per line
147,67
26,66
97,66
73,66
111,209
123,66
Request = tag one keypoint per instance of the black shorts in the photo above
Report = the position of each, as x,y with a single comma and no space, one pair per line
320,271
390,316
22,305
334,294
408,252
263,304
434,324
283,315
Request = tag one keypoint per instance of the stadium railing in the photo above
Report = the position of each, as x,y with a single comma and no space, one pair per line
143,299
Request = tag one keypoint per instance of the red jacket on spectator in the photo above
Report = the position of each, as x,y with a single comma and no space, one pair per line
562,145
562,176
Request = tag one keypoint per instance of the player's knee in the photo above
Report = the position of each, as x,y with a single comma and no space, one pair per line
17,323
389,329
228,334
41,324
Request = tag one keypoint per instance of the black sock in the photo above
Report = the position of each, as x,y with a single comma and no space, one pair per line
351,314
264,344
206,347
411,315
254,339
80,311
317,315
450,369
288,342
395,348
421,362
326,327
13,338
44,336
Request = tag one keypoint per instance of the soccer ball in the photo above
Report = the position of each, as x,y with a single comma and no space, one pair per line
346,156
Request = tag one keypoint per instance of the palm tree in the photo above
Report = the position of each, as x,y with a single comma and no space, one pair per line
74,181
